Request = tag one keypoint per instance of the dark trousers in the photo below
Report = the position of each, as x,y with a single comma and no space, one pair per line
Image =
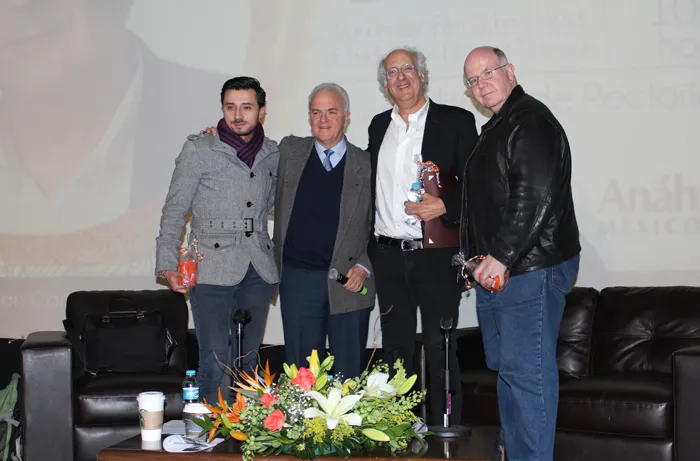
306,321
212,310
409,279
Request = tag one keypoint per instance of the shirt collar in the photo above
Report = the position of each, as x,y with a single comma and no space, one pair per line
338,150
416,119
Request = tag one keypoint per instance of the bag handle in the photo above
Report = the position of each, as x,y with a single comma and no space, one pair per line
118,309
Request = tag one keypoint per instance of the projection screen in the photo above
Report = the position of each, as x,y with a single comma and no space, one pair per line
98,96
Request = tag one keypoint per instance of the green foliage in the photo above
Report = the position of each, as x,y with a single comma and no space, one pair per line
330,416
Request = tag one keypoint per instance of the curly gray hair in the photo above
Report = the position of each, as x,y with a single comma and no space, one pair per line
418,57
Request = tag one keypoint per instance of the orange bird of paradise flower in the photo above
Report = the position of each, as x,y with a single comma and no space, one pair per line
250,383
231,413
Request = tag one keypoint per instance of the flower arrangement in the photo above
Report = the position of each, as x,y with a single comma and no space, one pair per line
308,412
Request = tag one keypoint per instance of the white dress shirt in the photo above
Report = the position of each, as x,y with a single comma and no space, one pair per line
397,169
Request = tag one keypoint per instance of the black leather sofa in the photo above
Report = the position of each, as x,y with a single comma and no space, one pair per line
68,415
629,362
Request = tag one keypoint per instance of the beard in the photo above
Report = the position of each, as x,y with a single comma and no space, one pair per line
245,131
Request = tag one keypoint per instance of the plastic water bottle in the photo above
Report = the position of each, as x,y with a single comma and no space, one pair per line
414,195
190,388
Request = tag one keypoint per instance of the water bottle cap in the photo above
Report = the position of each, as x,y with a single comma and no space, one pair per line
191,373
415,186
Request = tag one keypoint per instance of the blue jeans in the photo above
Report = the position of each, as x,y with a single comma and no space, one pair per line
212,310
520,327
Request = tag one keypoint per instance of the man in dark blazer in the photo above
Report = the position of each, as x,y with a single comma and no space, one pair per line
322,221
407,274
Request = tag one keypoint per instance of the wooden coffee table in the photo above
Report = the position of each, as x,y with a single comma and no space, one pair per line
479,446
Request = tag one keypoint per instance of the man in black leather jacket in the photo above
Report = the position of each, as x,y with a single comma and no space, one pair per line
518,211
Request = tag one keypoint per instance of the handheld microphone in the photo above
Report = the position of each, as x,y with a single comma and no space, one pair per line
241,316
333,274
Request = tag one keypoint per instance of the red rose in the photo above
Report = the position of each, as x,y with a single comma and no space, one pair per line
305,379
274,421
267,399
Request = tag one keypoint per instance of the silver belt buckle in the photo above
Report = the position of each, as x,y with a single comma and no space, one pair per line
407,245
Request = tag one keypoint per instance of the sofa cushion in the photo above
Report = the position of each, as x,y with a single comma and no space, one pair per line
111,398
624,404
479,399
639,329
574,343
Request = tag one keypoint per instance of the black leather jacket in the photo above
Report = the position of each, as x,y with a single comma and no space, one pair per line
517,204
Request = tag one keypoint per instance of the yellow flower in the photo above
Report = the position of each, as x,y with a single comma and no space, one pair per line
314,363
341,432
316,428
348,386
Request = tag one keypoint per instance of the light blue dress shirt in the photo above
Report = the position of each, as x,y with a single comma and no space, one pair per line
338,151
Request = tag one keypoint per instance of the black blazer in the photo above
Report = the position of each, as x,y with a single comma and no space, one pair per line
448,140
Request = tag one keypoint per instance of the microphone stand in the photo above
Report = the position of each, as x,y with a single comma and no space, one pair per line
240,318
448,430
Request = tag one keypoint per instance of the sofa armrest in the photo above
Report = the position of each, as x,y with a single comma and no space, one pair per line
470,349
686,405
47,396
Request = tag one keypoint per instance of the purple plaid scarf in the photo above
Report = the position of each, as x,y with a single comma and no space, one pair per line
246,150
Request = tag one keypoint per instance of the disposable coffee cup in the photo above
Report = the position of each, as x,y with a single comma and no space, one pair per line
151,406
151,445
189,413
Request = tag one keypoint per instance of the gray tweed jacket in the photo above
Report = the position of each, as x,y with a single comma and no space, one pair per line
355,216
230,204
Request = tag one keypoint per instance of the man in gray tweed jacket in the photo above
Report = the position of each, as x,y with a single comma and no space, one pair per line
322,222
227,182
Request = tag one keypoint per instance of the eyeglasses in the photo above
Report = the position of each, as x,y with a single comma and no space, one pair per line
485,75
406,69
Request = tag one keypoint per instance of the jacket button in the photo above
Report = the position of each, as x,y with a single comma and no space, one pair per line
350,258
248,234
249,204
252,175
216,245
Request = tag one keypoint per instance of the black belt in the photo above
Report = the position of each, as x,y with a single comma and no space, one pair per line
404,244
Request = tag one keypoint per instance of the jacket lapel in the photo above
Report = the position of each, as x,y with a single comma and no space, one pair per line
265,150
379,132
295,164
431,134
353,182
377,136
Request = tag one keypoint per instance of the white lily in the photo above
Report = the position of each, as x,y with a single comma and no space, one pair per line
334,408
378,386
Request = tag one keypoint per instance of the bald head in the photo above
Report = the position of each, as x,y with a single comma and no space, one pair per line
488,51
489,76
